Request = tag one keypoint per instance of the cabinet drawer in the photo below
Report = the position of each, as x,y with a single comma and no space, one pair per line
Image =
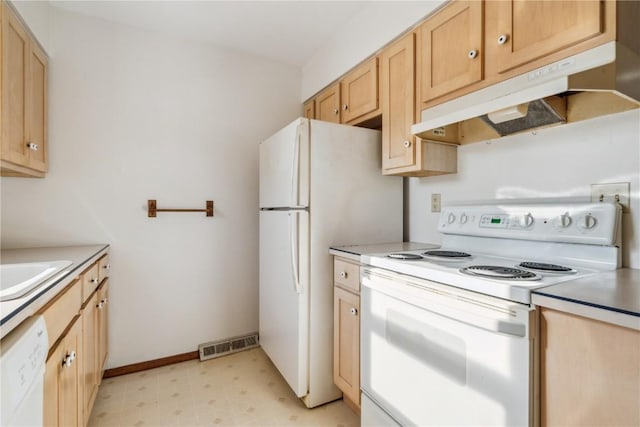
90,281
59,313
346,274
103,268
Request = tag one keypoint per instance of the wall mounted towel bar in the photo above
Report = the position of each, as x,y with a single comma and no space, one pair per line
152,209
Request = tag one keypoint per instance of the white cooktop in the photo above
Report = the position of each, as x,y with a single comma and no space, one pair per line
582,236
448,272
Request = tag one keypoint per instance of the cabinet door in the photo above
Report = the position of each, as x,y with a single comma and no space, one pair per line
15,72
310,109
37,130
328,104
103,327
359,91
519,31
346,343
70,385
398,104
450,49
53,368
90,353
589,372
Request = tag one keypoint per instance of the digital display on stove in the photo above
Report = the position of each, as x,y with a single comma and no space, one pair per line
494,221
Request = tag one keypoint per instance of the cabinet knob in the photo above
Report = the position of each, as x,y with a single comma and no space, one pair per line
336,111
107,267
503,38
343,274
345,107
406,143
99,305
94,280
354,311
68,359
32,146
472,54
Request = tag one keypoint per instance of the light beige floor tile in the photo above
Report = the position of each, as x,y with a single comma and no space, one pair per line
243,389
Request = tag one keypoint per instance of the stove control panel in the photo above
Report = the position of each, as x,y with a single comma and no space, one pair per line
586,223
520,222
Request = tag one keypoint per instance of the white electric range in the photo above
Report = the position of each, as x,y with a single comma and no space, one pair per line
456,323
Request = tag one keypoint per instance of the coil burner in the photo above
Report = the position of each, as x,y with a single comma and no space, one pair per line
547,268
446,254
499,272
404,256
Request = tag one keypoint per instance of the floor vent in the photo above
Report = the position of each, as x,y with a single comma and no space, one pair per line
211,350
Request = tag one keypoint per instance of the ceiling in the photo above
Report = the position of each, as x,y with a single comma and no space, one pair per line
283,31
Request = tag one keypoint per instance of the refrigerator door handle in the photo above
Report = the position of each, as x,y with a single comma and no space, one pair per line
295,170
293,233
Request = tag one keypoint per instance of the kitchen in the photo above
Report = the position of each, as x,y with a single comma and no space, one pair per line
109,155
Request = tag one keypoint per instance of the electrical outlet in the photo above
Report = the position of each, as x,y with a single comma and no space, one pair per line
614,192
435,202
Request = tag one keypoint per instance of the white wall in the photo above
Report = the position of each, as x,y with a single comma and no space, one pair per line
378,23
135,116
560,162
36,14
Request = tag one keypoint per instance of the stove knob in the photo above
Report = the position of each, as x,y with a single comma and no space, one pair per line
464,218
587,222
451,218
562,221
526,221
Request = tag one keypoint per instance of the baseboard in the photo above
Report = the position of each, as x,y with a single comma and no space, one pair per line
157,363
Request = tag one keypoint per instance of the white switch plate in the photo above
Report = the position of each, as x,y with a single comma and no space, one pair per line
435,202
614,192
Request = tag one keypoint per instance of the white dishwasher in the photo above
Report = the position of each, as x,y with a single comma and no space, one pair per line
23,353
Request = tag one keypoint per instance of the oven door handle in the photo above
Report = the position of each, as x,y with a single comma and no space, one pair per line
455,309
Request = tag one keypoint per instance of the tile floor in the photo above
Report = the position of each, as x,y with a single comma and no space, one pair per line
242,389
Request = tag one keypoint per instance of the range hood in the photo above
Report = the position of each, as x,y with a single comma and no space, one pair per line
600,81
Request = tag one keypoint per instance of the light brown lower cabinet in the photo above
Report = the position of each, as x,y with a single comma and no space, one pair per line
103,327
590,372
90,372
78,331
346,332
63,380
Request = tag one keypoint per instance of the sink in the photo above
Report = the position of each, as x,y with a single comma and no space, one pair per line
18,279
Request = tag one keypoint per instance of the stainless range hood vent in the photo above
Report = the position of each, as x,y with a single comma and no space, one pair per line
538,113
600,81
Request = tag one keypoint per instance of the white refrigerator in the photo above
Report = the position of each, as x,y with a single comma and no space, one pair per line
320,185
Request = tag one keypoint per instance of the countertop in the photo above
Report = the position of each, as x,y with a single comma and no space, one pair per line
612,296
13,312
355,251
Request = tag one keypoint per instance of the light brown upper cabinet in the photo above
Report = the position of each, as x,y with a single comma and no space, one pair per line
23,150
398,104
328,104
450,49
359,93
518,32
353,100
310,109
402,153
469,45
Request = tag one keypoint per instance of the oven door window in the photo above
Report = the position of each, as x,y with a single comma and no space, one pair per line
427,368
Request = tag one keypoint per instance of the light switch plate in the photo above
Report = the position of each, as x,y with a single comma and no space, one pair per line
613,192
435,202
